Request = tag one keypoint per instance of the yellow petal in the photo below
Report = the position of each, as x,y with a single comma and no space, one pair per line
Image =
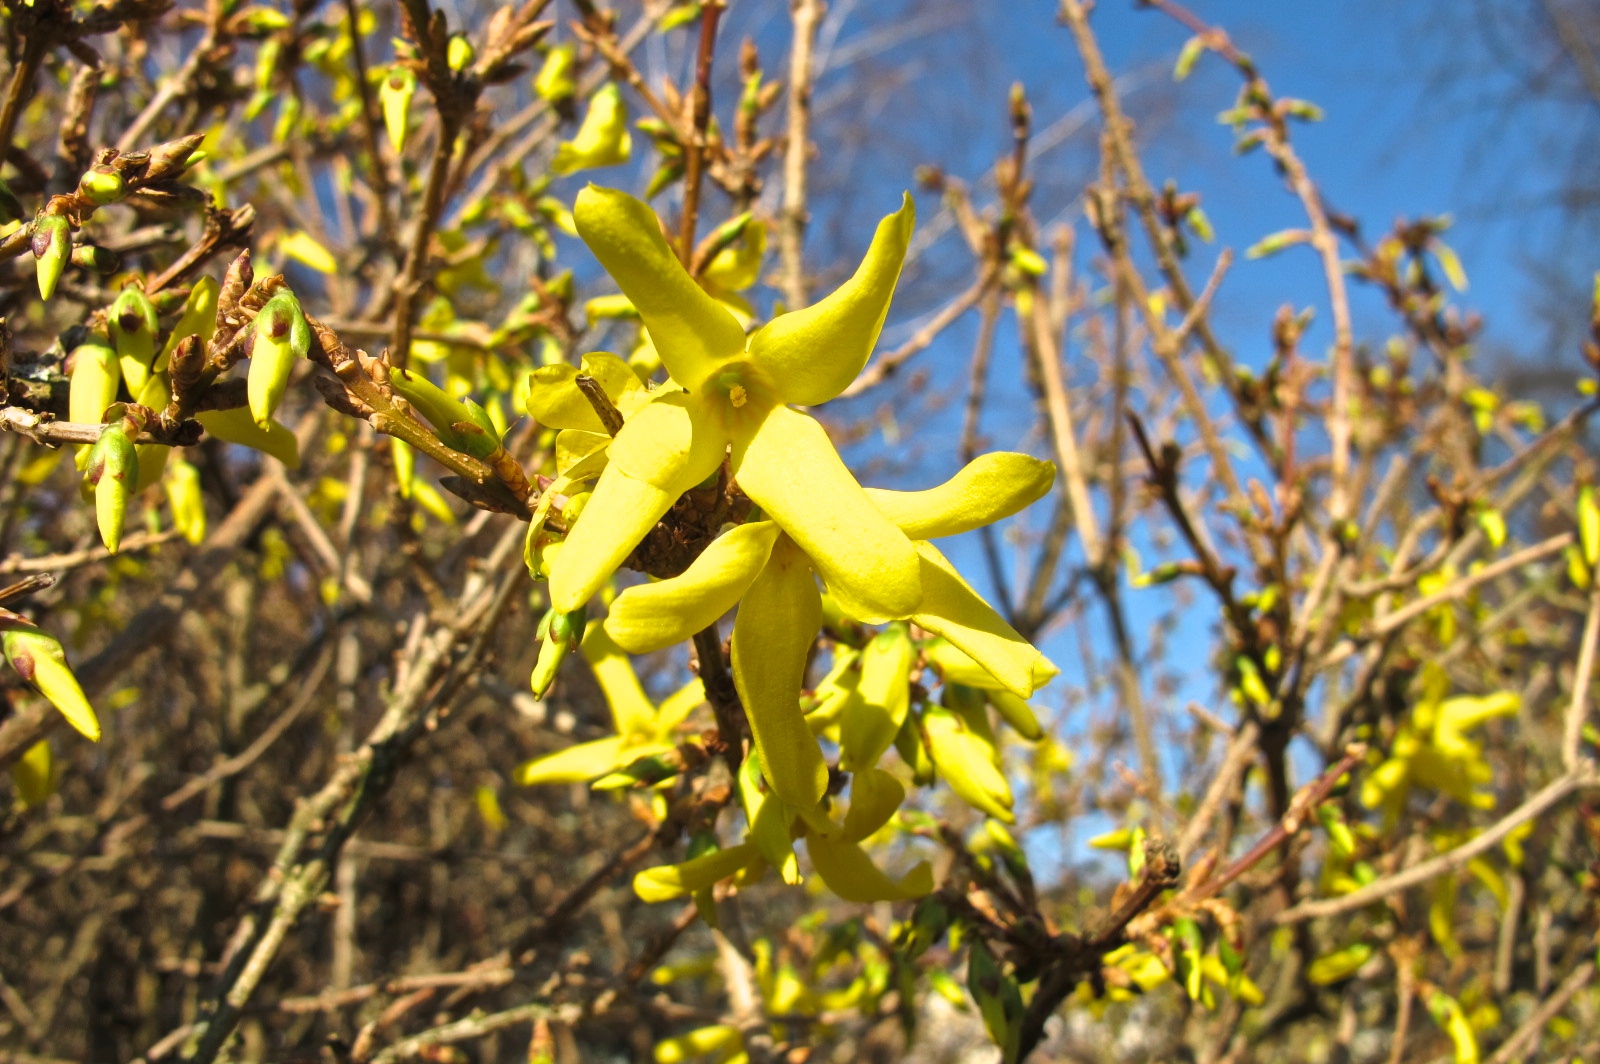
651,616
866,731
674,881
966,762
952,609
874,796
789,467
769,823
237,426
575,446
675,709
850,873
772,635
990,487
585,762
659,454
631,709
558,403
602,140
199,318
815,353
691,331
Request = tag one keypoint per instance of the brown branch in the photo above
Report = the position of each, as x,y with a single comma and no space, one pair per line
806,16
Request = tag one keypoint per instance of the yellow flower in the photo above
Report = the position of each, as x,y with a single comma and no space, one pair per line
759,566
735,393
643,728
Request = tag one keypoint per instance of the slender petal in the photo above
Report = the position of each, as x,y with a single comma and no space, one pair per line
815,353
585,761
618,515
850,873
674,881
989,488
866,731
631,709
692,332
652,616
952,609
772,635
675,709
789,467
659,454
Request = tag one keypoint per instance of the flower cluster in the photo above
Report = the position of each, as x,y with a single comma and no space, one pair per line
731,403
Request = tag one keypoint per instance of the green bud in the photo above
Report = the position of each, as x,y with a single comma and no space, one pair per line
551,654
111,472
282,336
96,259
42,663
457,425
405,465
929,922
52,247
101,185
997,995
133,325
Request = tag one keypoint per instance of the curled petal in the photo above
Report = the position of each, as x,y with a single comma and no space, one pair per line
558,403
651,616
674,881
789,467
869,726
815,353
693,334
874,796
850,873
952,609
772,634
988,488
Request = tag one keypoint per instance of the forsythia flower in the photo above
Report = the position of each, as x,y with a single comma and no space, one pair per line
643,729
735,394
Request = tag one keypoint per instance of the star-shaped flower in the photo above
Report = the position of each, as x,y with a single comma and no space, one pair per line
736,391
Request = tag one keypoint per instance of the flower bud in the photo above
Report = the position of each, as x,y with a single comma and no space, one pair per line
111,471
52,247
399,85
558,633
102,185
133,324
281,337
95,259
96,376
171,158
458,53
555,82
466,429
38,658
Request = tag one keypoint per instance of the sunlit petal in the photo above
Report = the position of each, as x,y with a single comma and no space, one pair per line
659,454
814,353
874,796
651,616
556,401
989,488
952,609
619,513
789,467
675,709
585,761
692,332
850,873
772,634
674,881
631,709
